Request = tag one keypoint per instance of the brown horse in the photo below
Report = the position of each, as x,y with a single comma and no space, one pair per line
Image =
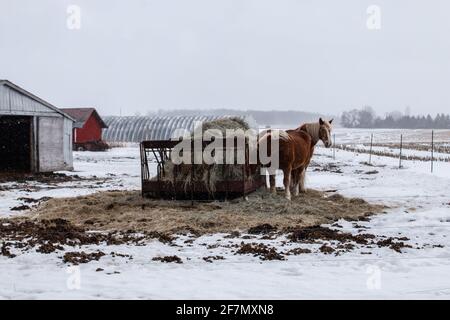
296,148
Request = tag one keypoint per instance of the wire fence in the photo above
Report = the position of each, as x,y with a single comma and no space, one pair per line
399,147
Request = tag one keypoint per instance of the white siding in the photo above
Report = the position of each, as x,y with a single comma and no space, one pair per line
68,155
4,99
51,144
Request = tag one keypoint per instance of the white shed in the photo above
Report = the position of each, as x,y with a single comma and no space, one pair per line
35,136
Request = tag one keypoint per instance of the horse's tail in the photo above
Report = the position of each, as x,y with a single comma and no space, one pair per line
264,140
282,135
267,138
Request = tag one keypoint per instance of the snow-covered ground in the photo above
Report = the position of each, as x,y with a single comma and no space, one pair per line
419,209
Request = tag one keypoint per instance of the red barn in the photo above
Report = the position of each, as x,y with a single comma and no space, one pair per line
87,130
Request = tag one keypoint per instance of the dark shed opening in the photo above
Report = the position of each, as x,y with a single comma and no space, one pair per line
15,143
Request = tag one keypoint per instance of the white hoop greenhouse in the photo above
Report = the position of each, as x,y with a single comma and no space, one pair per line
137,128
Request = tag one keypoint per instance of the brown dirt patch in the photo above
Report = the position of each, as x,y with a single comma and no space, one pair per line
395,244
260,250
81,257
48,236
262,212
311,234
49,248
298,251
210,259
326,249
32,200
262,229
32,182
168,259
5,250
38,177
20,208
338,242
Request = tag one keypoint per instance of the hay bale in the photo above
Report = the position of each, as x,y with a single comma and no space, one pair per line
208,174
223,124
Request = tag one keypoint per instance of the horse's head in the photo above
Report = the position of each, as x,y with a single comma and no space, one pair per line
325,132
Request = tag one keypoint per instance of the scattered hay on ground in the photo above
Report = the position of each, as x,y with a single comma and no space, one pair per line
127,218
261,213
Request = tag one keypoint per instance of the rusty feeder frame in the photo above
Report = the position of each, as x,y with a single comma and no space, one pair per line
159,151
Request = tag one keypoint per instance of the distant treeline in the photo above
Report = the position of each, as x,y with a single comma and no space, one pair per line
366,118
272,117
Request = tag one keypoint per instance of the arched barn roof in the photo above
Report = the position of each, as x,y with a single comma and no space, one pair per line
137,128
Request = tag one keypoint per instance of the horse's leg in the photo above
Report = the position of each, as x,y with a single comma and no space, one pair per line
266,173
272,184
293,179
287,182
296,180
302,180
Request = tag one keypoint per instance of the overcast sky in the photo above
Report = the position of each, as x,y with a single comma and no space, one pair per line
311,55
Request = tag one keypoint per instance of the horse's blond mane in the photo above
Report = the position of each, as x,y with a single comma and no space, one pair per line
312,129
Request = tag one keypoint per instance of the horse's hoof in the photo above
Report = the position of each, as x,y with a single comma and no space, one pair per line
288,197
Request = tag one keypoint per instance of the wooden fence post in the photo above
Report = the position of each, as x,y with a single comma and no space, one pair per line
370,152
432,149
334,146
401,147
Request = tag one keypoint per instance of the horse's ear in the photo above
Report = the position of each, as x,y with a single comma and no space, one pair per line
330,121
321,121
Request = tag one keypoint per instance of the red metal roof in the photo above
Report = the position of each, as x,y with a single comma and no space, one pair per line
81,115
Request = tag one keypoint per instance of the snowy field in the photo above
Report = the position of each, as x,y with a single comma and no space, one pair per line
419,204
345,135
